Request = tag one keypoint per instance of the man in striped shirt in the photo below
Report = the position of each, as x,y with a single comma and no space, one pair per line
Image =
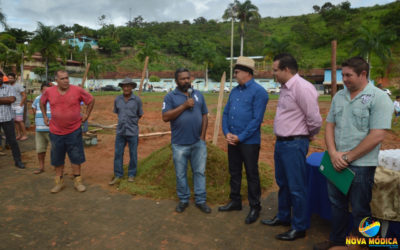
7,97
42,131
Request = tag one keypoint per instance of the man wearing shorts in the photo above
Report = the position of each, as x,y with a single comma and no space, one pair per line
18,107
42,131
65,127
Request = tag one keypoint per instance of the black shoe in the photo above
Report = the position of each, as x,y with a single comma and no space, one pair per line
204,208
253,215
232,205
181,207
326,245
19,164
291,235
275,222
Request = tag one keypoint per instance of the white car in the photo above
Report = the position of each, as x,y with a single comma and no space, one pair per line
159,89
273,90
216,90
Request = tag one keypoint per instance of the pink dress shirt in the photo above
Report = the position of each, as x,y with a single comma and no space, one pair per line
297,112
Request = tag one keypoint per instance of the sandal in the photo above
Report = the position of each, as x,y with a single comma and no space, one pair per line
38,171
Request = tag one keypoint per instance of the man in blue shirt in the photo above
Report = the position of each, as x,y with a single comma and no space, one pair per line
186,110
129,109
42,138
241,122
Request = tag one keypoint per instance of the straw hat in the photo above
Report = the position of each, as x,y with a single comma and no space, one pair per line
246,62
127,80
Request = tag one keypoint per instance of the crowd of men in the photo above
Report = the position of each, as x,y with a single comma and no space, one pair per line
355,128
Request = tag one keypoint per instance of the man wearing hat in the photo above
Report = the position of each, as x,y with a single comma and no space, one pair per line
128,107
7,97
296,123
241,122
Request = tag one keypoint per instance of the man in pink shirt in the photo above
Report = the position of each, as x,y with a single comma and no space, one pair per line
297,121
65,127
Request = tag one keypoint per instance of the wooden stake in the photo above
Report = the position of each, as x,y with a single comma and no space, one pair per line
333,75
85,76
219,107
146,61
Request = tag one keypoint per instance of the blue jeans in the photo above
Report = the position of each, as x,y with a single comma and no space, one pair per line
197,154
70,143
359,196
120,143
291,177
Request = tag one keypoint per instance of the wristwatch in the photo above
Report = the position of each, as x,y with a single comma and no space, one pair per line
345,158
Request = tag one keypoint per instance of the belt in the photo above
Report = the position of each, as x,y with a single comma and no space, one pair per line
291,138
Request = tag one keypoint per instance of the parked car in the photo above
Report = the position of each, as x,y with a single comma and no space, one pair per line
216,90
273,90
159,89
110,88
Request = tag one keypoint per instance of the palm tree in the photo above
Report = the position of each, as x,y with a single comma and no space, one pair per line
372,42
245,12
46,41
3,19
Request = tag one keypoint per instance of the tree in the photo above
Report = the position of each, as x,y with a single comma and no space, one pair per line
109,45
245,12
204,52
46,41
3,19
20,35
373,42
275,46
148,48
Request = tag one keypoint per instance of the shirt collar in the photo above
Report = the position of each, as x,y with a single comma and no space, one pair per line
247,84
178,92
289,84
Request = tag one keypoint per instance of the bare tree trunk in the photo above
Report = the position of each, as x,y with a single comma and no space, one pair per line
241,44
206,87
333,73
47,69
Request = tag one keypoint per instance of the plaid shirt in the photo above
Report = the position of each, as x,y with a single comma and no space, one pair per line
5,109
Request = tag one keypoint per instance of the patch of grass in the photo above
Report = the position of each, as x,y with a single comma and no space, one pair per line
156,176
267,129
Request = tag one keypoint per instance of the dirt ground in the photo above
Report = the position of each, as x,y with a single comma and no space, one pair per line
103,218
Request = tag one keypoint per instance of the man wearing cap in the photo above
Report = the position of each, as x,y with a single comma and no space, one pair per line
18,107
296,123
7,97
128,107
241,122
65,127
186,110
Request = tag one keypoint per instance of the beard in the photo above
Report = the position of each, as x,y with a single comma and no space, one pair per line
184,88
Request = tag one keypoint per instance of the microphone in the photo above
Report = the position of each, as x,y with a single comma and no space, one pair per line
190,92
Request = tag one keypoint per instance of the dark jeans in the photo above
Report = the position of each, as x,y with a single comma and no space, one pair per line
9,131
247,154
120,143
359,196
291,177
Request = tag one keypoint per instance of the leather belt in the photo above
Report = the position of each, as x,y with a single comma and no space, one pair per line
291,138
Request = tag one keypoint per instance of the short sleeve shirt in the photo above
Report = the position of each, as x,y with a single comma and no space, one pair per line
6,113
353,119
65,109
129,113
18,90
39,121
186,128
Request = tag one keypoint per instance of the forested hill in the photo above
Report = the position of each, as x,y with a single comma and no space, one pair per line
372,32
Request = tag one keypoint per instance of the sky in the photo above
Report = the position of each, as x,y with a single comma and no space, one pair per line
25,14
